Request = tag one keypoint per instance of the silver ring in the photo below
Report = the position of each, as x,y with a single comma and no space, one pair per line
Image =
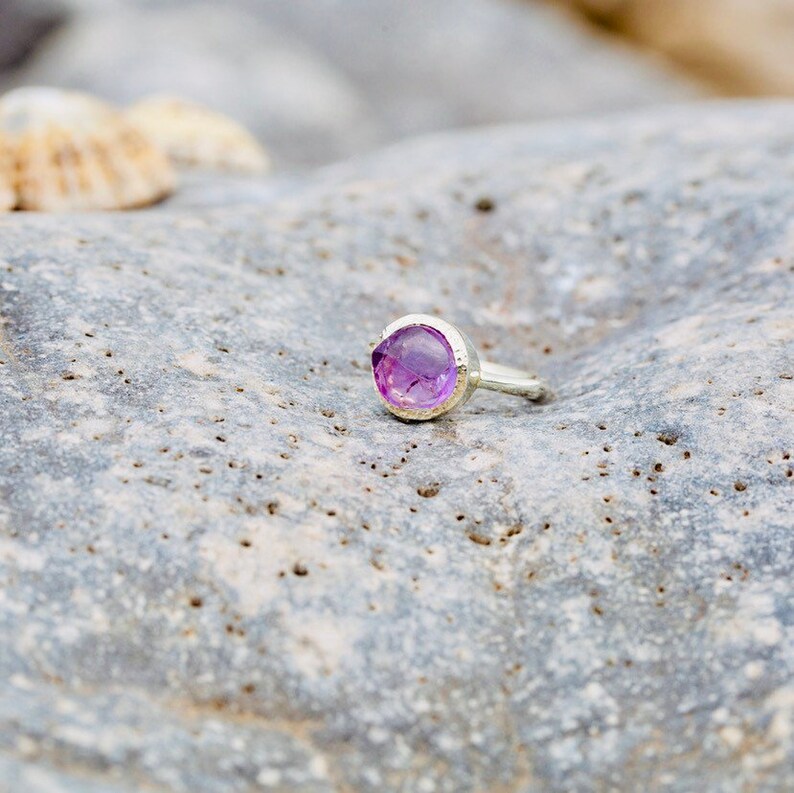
423,367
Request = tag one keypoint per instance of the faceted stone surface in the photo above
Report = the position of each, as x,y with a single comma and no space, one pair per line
415,368
224,569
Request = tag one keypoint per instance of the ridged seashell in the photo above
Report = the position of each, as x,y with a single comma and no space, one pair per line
73,152
196,137
8,197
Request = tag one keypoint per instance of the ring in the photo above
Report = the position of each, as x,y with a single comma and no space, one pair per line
424,367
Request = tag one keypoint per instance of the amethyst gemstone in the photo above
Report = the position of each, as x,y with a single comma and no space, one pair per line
415,368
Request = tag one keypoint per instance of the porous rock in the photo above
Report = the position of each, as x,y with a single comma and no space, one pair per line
224,568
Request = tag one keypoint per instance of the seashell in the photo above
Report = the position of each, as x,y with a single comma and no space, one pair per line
196,137
8,197
73,152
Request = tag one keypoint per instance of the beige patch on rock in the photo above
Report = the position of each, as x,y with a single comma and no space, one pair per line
681,334
196,363
593,289
321,643
252,576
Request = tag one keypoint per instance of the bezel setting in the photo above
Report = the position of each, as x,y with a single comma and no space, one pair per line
466,361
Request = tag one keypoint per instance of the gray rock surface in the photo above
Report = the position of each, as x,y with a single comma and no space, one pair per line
321,80
224,568
454,63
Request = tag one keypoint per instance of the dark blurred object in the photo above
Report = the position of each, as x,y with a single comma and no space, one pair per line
23,25
741,47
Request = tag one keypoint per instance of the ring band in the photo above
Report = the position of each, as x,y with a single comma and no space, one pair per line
508,380
423,367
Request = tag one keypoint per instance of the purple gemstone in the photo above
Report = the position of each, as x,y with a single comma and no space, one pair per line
415,368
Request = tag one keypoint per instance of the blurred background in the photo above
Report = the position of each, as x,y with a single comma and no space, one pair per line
321,80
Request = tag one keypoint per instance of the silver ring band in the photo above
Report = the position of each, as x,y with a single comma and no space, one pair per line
507,380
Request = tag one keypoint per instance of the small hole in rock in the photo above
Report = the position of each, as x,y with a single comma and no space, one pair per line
429,491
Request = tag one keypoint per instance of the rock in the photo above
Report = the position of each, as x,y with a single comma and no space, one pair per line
224,568
321,81
474,62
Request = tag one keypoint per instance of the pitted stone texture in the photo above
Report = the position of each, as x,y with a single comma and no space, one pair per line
224,567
